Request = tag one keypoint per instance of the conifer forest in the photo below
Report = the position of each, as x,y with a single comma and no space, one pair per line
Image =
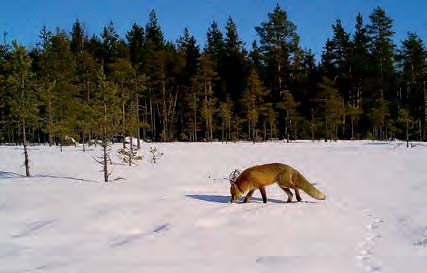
73,85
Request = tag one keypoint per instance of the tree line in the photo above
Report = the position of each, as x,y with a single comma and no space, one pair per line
72,86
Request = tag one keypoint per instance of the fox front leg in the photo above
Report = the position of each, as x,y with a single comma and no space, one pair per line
248,196
263,194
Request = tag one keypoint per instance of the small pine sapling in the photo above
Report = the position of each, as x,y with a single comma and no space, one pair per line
155,154
129,156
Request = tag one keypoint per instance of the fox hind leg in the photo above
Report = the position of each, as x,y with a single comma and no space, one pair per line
288,193
248,196
299,199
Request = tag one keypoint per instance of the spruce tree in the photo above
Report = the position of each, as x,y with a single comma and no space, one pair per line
78,38
136,40
235,69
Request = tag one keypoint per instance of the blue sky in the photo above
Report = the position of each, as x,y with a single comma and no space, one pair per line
23,19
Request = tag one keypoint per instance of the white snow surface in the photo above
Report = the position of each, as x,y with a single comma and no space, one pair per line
174,216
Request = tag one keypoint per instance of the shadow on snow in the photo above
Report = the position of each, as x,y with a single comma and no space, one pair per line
9,175
226,199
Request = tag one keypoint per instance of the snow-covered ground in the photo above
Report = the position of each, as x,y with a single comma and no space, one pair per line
174,216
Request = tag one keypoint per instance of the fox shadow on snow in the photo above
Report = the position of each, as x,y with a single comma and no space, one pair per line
226,199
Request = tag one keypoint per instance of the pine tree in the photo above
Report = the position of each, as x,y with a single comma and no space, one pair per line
192,101
360,59
412,66
107,109
279,46
121,72
215,45
4,109
332,107
208,75
289,105
354,113
226,114
215,48
252,101
405,118
381,48
23,102
61,67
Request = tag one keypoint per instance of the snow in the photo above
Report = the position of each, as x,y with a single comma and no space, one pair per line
174,216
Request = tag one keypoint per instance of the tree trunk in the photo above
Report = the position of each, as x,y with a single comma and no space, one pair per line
164,110
229,126
153,120
265,131
279,68
61,141
222,129
105,143
131,150
49,108
123,117
312,124
295,130
326,131
312,131
83,140
287,129
138,133
172,112
195,120
145,118
105,161
206,110
407,134
210,111
352,128
26,157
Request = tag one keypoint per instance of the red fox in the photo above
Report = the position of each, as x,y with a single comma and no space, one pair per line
258,177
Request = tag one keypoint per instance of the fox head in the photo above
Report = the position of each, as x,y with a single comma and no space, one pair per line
235,192
234,189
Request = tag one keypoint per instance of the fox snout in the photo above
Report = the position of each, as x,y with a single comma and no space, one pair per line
233,199
235,193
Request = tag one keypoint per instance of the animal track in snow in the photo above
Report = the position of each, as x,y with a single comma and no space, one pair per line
368,261
33,227
136,235
423,241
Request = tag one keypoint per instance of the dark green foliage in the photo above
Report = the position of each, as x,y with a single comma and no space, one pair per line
72,85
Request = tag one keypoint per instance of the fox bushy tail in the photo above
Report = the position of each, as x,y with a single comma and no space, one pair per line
302,183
